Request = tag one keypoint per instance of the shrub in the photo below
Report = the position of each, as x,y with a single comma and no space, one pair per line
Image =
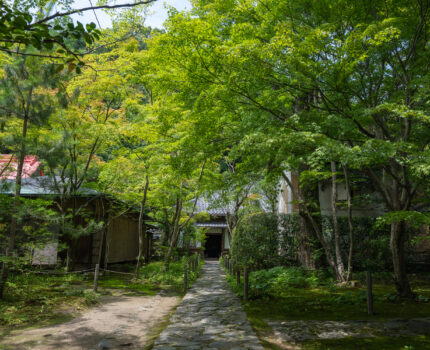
289,227
275,281
255,241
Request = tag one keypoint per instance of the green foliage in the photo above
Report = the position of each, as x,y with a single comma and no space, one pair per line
289,226
255,241
371,241
277,281
19,25
32,298
326,301
35,222
158,274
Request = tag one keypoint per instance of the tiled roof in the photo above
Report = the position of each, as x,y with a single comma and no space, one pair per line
211,224
40,185
212,206
9,164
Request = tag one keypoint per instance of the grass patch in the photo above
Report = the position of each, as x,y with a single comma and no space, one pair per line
158,274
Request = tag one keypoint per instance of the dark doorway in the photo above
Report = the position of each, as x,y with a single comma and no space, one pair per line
213,246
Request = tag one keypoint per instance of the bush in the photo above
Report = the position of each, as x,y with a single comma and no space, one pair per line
275,281
289,227
157,273
255,241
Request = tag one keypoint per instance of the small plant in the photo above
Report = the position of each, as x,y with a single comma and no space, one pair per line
391,297
278,280
423,299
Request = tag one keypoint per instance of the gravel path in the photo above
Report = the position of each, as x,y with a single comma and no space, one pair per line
209,317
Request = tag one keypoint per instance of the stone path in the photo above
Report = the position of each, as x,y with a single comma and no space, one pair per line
298,331
209,317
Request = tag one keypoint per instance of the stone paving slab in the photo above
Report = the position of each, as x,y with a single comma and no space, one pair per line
210,316
298,331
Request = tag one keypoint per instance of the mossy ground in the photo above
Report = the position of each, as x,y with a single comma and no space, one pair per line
38,300
340,303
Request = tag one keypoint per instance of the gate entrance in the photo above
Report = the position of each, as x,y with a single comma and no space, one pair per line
213,246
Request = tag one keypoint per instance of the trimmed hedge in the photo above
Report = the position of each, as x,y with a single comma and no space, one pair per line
264,240
255,241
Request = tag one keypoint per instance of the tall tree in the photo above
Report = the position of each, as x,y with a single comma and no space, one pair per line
27,94
357,68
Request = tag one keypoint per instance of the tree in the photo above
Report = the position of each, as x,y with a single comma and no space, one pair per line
27,91
29,28
356,68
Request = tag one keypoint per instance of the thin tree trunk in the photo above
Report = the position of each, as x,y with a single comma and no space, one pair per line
176,230
350,224
305,251
15,205
176,226
338,250
142,227
397,242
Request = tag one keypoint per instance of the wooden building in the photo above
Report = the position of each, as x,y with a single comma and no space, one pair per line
116,242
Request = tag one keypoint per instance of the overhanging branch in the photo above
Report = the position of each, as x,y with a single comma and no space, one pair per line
91,8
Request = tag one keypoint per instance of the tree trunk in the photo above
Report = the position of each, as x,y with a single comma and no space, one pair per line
305,250
176,230
305,239
327,249
15,205
350,224
397,245
142,227
338,251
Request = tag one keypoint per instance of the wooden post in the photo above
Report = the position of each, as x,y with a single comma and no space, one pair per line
369,293
193,263
237,277
245,284
185,277
96,277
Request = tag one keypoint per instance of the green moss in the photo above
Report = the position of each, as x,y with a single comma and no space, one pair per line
32,299
323,303
124,284
332,303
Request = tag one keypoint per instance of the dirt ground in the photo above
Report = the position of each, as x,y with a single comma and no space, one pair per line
118,322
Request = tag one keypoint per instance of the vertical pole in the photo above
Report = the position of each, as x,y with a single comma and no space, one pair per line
96,277
237,277
245,284
185,277
369,293
193,263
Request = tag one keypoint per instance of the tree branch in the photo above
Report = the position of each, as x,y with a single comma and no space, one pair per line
91,8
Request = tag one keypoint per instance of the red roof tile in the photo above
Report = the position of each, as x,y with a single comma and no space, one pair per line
8,167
